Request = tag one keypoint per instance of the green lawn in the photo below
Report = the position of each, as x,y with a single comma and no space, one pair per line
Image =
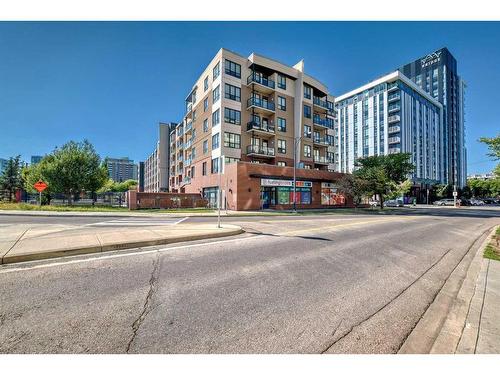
492,250
31,207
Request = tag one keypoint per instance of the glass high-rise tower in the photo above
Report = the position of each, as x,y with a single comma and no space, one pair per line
437,74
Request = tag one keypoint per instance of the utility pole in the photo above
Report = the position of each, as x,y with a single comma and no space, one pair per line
295,144
219,192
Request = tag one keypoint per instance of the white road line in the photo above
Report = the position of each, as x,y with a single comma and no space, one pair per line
181,220
113,255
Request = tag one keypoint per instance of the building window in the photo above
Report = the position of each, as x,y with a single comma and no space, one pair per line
281,124
282,103
204,168
216,94
281,164
307,131
205,125
205,84
192,171
307,151
215,141
232,116
232,140
329,157
193,153
307,92
307,111
194,116
233,69
205,105
281,146
194,97
216,118
281,81
205,146
232,92
215,165
216,71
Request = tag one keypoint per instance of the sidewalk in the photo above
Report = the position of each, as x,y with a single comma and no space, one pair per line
27,242
465,315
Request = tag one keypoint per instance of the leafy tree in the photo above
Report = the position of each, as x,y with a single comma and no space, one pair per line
493,145
36,172
111,186
11,179
71,169
383,173
354,187
399,190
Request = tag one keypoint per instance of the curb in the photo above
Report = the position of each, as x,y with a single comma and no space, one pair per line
117,246
440,329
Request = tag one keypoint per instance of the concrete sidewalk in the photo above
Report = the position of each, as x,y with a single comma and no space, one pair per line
465,315
21,243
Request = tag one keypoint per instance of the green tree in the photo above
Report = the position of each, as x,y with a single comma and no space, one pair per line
353,187
383,173
112,186
11,179
399,190
71,169
493,146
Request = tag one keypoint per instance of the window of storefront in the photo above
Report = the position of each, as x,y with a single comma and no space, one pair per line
330,196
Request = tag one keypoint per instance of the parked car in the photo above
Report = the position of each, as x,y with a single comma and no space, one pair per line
394,203
445,202
374,203
489,200
476,202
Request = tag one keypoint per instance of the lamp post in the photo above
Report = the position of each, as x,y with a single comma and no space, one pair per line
295,144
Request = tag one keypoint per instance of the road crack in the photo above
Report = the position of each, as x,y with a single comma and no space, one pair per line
146,308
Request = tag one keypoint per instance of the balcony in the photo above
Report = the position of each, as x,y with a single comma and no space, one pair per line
264,129
392,86
393,97
323,122
395,150
393,108
320,141
321,160
395,118
394,140
318,102
188,127
256,150
185,181
180,158
187,162
188,144
266,85
260,106
189,107
393,129
180,144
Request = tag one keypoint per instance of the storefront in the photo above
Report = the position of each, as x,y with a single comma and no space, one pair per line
330,195
280,192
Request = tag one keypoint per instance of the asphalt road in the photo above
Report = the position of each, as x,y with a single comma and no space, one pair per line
311,284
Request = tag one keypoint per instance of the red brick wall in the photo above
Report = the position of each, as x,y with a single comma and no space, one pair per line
164,200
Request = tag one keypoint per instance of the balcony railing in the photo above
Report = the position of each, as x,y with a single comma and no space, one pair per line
392,86
189,127
317,120
187,162
320,160
321,141
393,129
393,140
188,144
394,150
395,118
259,150
253,125
261,80
395,96
320,103
180,158
393,108
256,102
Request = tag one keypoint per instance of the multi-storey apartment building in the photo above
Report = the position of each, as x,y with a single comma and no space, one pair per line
256,110
437,74
155,172
391,115
121,169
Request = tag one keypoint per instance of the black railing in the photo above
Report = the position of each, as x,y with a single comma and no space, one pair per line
253,125
256,149
260,103
264,81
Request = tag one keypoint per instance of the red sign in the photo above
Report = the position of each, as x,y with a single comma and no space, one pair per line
40,186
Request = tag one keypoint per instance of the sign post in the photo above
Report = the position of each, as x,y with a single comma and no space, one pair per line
455,194
40,186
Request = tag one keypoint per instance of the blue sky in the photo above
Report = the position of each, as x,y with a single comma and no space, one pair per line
112,82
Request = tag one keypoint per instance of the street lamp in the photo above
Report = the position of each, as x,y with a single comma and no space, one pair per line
296,141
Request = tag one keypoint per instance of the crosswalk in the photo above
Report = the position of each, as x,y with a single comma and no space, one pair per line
132,222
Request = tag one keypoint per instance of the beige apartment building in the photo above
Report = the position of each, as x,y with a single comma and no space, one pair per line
253,110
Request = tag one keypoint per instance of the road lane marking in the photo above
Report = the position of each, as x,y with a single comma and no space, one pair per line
112,254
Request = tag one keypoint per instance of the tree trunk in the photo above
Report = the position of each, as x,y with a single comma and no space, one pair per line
381,201
70,198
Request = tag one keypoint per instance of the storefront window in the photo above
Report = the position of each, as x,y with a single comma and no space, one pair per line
331,197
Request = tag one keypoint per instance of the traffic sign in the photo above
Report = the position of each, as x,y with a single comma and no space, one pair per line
455,193
40,186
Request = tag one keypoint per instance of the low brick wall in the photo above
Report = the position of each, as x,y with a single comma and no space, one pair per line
137,200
